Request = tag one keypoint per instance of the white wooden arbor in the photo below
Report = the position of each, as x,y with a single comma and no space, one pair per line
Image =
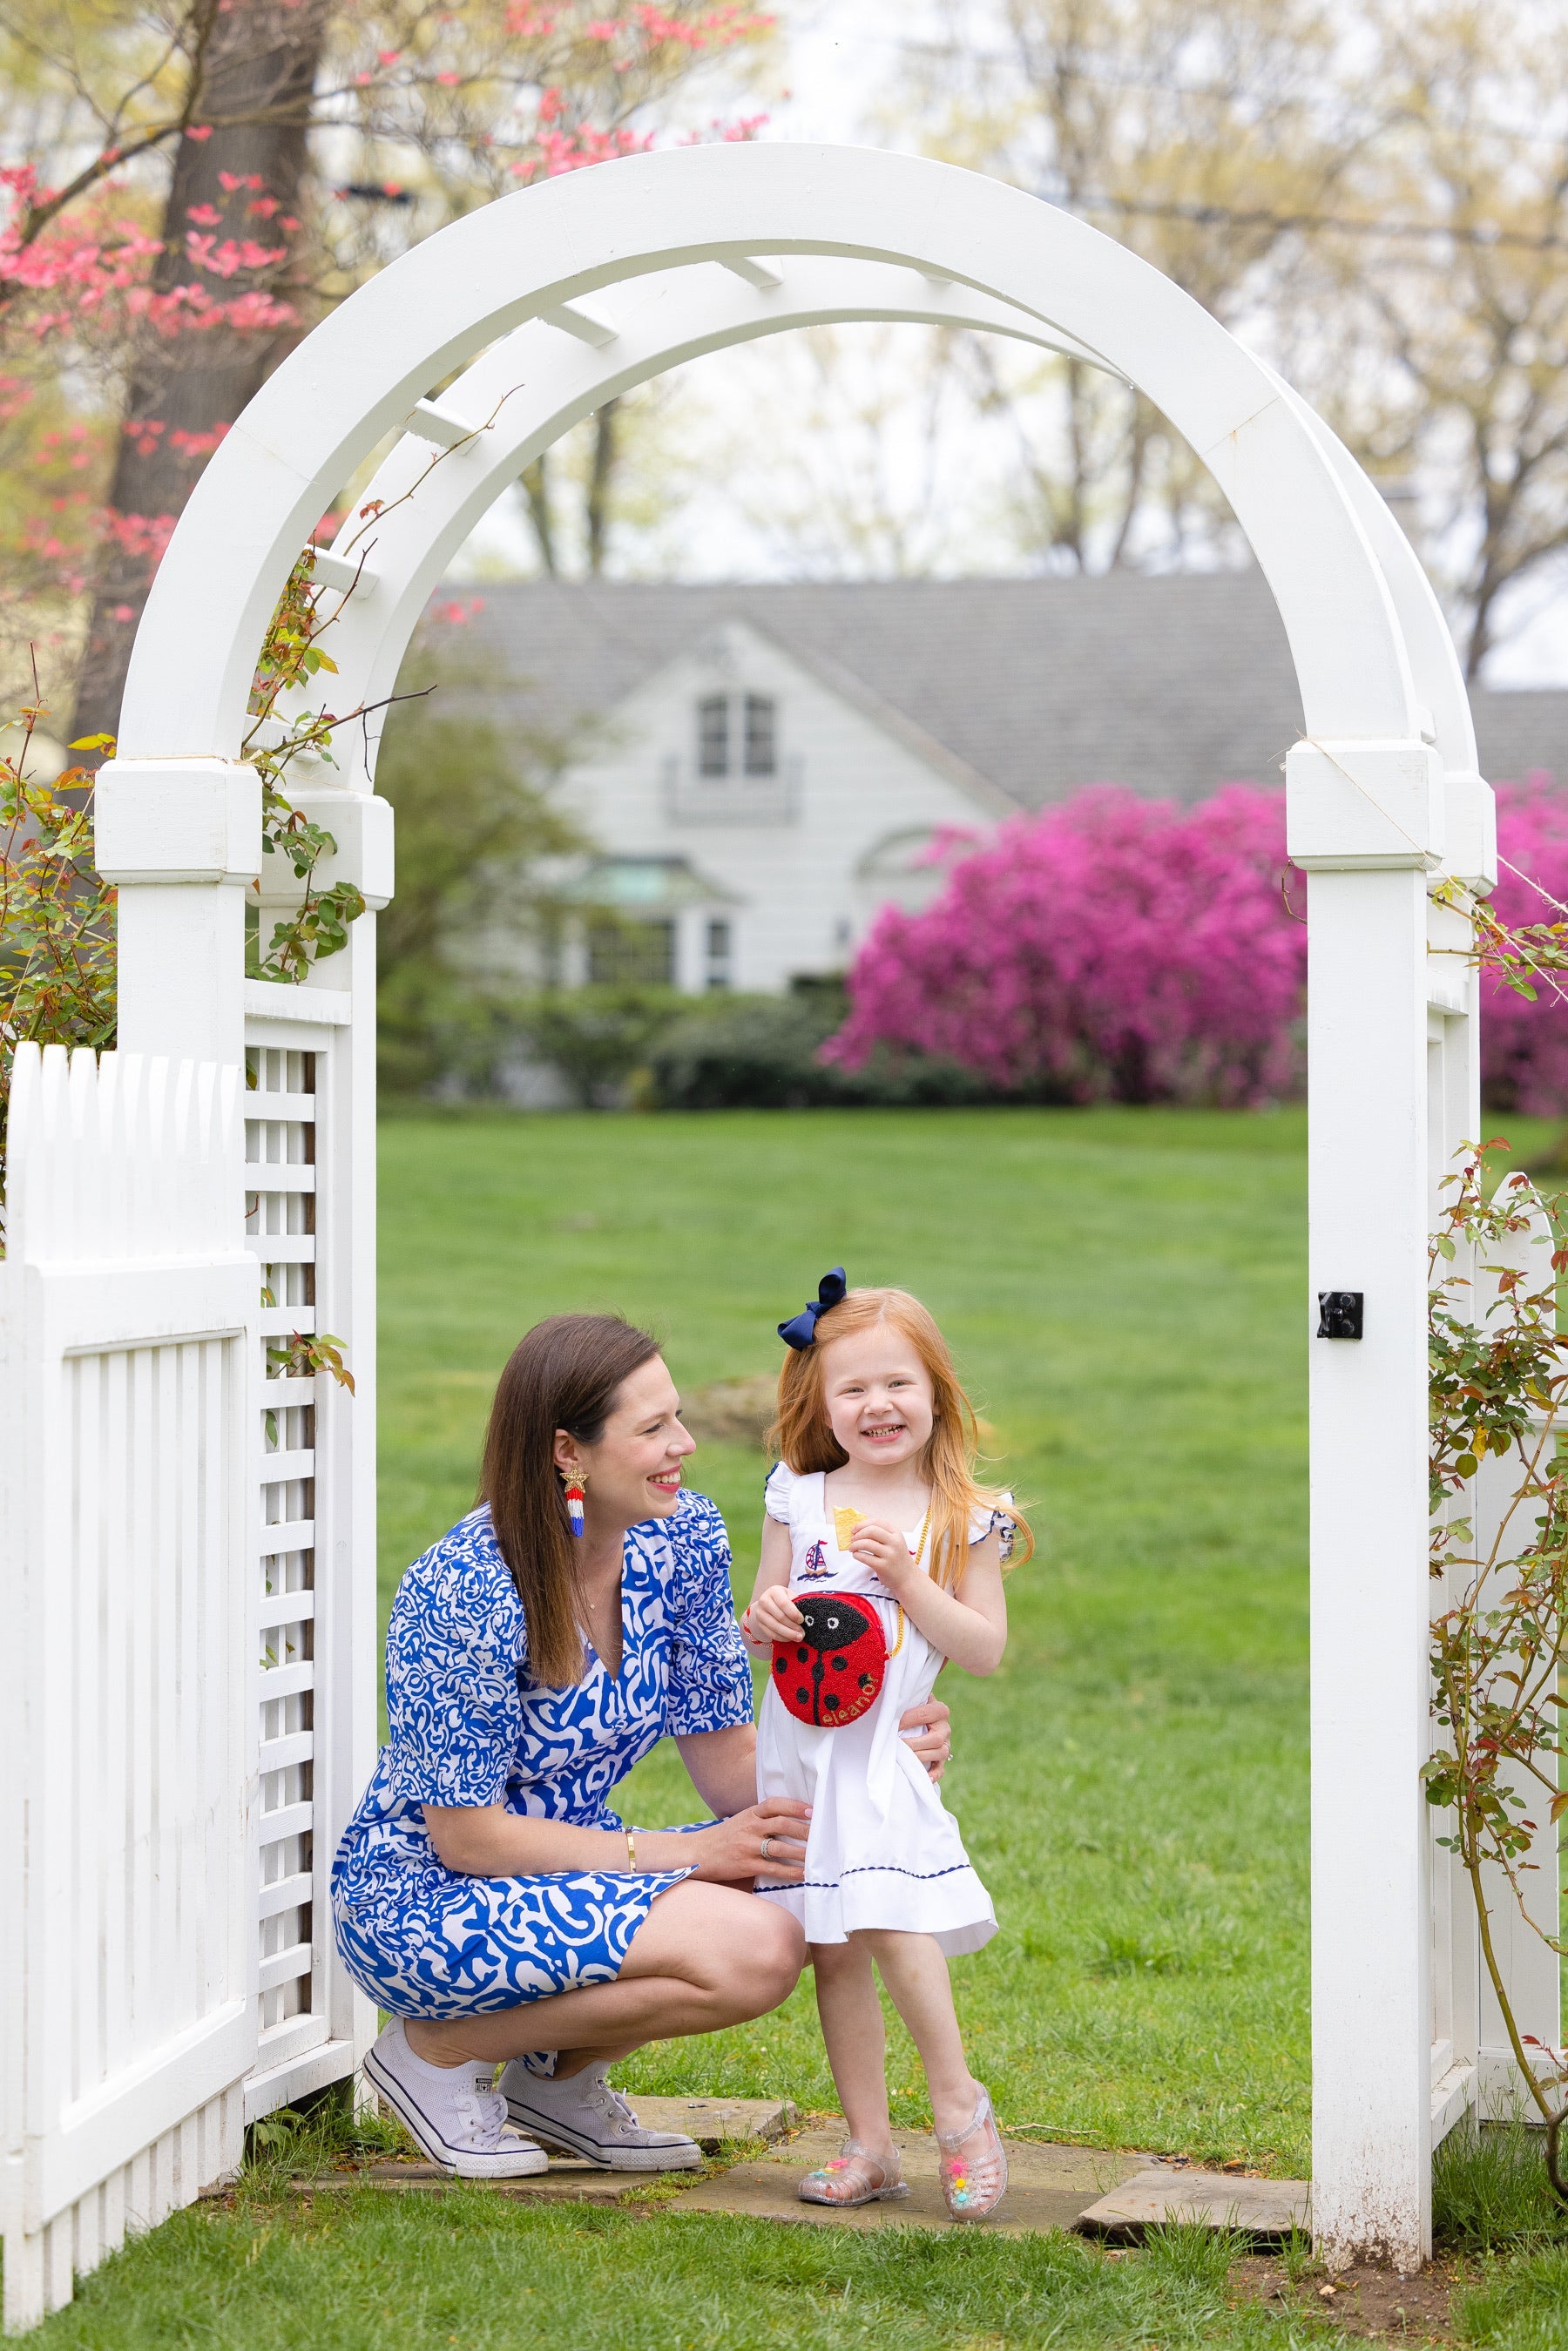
479,349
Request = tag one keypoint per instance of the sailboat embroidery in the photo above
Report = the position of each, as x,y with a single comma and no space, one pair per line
813,1568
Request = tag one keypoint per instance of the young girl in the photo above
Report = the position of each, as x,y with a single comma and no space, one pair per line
875,1496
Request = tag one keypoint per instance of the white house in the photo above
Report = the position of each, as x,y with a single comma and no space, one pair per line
756,806
762,768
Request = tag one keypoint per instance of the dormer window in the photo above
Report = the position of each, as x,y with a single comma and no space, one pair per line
737,734
760,758
712,736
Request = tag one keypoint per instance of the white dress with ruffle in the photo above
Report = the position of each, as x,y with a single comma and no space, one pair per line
883,1850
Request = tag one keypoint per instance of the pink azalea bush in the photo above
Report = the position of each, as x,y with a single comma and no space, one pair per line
1112,947
1524,1045
1119,948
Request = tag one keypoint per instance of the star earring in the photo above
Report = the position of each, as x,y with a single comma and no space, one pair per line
574,1500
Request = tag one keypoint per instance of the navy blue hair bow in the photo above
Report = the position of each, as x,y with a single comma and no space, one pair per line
800,1331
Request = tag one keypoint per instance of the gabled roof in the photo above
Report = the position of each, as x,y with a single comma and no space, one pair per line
1031,686
892,721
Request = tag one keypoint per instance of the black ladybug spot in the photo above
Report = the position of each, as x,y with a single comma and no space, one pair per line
865,1681
831,1699
779,1666
838,1664
802,1697
801,1655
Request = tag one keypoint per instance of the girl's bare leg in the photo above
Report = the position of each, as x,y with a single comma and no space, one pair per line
704,1957
916,1974
856,2039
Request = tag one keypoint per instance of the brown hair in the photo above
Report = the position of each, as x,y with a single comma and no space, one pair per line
564,1374
805,1440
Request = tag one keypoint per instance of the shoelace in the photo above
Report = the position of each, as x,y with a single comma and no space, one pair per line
618,2111
481,2115
599,2097
605,2099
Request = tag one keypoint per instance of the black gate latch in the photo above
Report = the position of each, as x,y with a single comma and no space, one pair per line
1339,1313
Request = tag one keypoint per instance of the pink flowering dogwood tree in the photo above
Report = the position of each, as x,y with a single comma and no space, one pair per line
216,173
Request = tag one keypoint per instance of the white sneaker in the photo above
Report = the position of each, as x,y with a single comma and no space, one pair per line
583,2115
460,2125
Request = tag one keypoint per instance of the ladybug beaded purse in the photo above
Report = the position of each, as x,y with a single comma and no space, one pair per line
832,1671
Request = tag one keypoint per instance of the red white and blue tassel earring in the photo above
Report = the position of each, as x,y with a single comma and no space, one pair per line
574,1485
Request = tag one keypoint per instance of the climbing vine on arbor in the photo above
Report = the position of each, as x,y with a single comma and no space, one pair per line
57,915
290,656
1498,1368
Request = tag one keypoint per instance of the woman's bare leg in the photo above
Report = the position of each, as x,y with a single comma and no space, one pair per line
856,2039
704,1957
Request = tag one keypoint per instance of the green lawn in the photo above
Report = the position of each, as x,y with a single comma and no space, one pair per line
1124,1291
1124,1295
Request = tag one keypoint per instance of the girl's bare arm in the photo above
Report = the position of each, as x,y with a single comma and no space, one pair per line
772,1615
969,1624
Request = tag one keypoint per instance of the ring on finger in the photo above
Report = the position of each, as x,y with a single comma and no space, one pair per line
766,1847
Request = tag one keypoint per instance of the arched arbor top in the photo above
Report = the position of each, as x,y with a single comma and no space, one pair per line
502,329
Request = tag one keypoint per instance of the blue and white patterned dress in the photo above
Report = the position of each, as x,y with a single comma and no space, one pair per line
469,1726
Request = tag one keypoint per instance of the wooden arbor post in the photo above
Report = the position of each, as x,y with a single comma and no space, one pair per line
529,314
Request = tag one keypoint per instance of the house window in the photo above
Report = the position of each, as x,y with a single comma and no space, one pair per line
638,955
712,735
718,955
760,758
724,730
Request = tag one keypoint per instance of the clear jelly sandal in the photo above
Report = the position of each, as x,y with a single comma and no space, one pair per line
853,2177
974,2180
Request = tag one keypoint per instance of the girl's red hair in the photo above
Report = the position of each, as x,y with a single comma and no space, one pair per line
803,1438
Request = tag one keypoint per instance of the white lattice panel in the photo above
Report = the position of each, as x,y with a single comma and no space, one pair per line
280,1226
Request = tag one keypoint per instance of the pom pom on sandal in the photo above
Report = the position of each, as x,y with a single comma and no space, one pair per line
853,2177
973,2182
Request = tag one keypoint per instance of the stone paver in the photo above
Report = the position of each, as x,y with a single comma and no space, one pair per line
1263,2208
714,2122
717,2122
1049,2186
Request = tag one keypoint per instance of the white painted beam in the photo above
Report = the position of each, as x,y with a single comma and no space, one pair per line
577,319
438,426
343,573
763,275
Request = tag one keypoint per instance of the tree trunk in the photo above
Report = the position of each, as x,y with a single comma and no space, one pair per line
605,452
541,513
255,77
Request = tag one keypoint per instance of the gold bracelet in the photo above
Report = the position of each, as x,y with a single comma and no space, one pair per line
631,1849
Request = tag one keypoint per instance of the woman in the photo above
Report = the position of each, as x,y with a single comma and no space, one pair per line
484,1891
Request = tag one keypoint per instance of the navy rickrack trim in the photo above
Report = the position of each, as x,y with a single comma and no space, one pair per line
869,1869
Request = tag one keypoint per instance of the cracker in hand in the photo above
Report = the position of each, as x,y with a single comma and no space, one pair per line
845,1522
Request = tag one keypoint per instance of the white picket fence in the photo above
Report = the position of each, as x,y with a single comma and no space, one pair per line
129,1319
187,1531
